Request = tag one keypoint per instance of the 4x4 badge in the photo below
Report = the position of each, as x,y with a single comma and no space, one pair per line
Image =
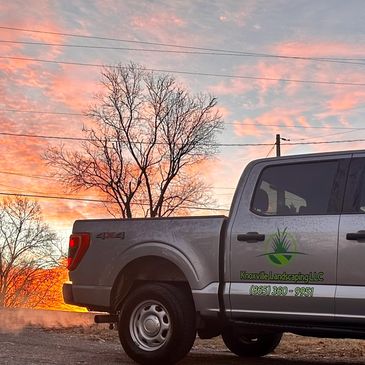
281,248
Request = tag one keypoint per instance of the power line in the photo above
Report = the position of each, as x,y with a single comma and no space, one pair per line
258,124
44,177
41,196
228,123
90,139
273,146
212,50
338,83
208,53
205,144
40,112
45,137
25,175
55,197
22,191
324,142
115,39
329,135
123,48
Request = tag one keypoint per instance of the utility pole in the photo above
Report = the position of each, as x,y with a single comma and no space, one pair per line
277,143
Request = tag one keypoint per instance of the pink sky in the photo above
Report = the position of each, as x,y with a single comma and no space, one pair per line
247,105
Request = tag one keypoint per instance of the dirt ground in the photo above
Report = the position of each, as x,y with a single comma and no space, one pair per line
45,337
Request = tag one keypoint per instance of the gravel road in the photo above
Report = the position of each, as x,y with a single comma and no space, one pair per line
28,338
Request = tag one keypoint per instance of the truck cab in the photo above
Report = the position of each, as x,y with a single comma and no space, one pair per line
301,265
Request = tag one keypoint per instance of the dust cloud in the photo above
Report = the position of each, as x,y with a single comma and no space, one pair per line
14,320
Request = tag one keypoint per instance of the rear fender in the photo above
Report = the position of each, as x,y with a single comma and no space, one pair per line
158,249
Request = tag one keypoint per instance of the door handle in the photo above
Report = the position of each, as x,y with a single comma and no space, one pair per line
251,237
360,235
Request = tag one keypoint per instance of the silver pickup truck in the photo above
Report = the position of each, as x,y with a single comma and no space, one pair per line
289,258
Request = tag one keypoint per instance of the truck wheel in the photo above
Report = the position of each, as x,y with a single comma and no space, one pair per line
157,324
250,346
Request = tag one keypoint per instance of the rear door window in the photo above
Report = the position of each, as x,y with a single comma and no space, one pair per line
355,191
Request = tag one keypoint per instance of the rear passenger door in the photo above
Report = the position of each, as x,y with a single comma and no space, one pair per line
350,294
288,267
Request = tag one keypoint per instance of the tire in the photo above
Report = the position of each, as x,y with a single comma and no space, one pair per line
157,324
250,346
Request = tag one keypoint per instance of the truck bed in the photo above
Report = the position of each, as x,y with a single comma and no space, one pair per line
192,243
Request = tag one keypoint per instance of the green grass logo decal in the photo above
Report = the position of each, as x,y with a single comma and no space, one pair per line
280,248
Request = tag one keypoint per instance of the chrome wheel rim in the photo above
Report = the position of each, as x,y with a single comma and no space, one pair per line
150,325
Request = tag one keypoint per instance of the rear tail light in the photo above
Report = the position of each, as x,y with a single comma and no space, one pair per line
78,245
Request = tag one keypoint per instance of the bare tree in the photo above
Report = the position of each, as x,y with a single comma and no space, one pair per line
149,137
28,249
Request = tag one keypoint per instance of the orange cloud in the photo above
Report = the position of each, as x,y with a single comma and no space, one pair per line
45,16
238,18
161,25
239,15
224,111
231,87
75,90
40,13
315,48
276,116
267,75
157,20
247,127
346,101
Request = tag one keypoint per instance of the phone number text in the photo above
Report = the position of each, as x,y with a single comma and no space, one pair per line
281,291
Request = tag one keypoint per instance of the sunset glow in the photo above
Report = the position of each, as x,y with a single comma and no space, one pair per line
48,81
44,292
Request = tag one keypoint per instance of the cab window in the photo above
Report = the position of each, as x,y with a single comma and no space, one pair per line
300,189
